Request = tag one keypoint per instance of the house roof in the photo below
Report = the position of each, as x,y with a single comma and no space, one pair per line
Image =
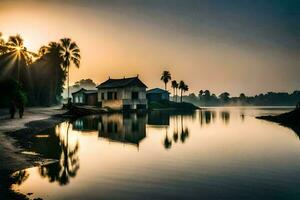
90,91
85,91
80,90
123,82
157,91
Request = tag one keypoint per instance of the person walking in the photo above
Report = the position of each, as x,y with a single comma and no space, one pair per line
12,109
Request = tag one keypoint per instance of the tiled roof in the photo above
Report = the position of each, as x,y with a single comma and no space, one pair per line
123,82
85,91
157,90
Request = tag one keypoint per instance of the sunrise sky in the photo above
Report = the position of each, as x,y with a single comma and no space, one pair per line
234,46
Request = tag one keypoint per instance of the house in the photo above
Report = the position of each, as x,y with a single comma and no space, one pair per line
85,97
124,93
157,94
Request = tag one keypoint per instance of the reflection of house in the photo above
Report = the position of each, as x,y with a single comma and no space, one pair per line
87,123
120,128
85,97
125,93
159,118
157,94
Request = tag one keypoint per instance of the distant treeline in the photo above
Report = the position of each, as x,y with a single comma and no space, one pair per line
205,98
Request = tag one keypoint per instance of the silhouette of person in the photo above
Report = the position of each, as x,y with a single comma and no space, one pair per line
21,109
12,109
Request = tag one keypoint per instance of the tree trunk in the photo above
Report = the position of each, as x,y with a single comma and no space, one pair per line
174,94
181,96
68,83
166,86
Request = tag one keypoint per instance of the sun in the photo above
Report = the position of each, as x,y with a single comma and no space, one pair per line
18,48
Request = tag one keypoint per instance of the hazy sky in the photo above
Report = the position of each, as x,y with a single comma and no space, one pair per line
249,46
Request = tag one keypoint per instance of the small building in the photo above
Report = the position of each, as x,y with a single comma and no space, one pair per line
85,97
157,94
124,93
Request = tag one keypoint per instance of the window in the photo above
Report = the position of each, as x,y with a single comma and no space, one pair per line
102,95
135,95
109,95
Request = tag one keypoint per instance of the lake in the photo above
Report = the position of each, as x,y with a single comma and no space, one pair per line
215,153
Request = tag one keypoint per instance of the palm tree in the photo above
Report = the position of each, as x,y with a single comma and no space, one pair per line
165,77
185,88
2,45
181,86
49,64
174,86
70,53
15,46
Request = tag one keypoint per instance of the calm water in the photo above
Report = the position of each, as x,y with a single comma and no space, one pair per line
217,153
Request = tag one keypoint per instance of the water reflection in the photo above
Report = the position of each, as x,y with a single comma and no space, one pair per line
207,116
258,154
225,115
123,128
57,146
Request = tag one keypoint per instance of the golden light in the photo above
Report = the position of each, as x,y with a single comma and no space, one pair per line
18,48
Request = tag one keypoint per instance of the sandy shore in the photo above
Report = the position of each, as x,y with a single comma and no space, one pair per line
34,120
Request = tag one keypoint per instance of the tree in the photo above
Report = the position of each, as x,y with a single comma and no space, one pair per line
200,94
15,45
165,77
49,64
70,53
2,45
175,87
224,97
15,58
183,88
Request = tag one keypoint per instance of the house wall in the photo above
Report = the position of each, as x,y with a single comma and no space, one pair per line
91,99
79,98
157,96
124,97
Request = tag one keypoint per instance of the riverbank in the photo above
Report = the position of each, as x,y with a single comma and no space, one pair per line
14,133
289,119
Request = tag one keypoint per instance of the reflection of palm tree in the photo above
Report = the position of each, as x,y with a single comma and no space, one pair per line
184,132
68,164
175,133
184,135
69,161
225,115
71,54
19,177
167,141
7,182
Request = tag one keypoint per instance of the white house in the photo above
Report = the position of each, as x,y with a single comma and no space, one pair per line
124,93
